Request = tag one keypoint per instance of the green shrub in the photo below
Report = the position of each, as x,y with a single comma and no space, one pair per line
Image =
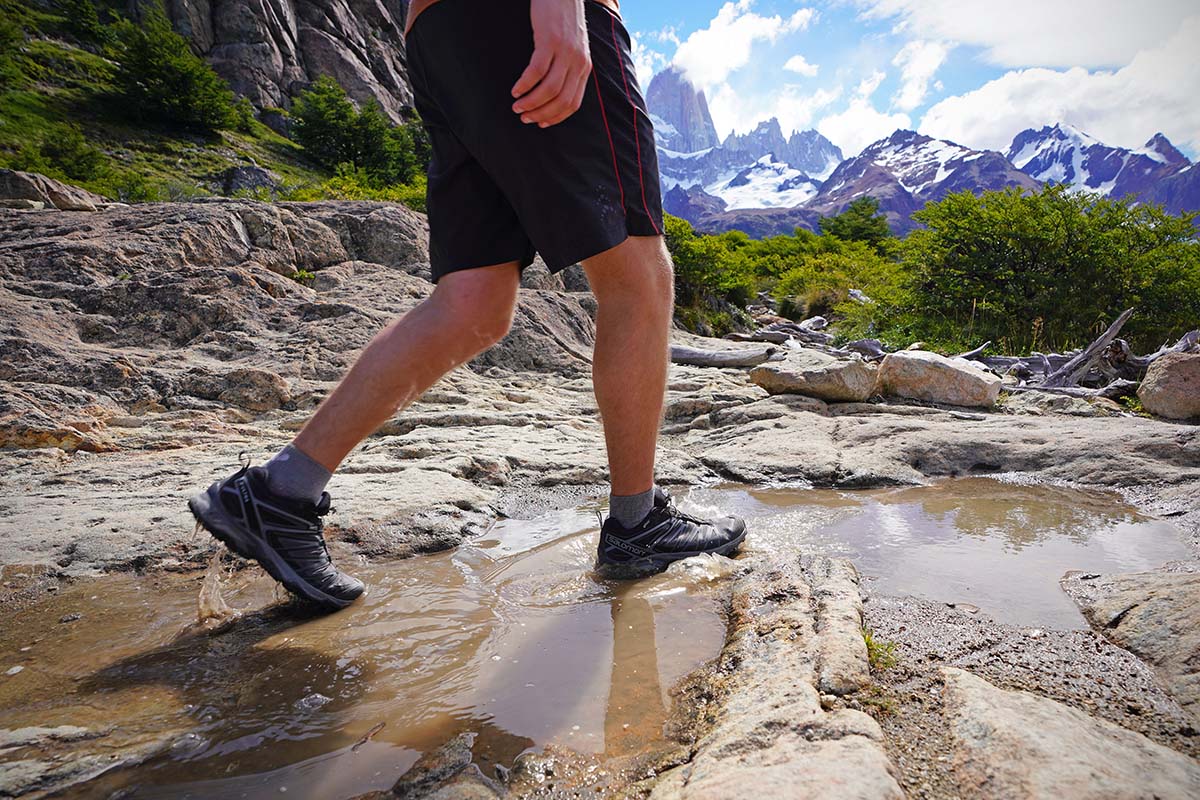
160,79
64,154
82,20
1049,270
861,222
333,132
351,184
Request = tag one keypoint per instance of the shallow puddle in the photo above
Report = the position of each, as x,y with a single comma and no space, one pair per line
996,545
513,637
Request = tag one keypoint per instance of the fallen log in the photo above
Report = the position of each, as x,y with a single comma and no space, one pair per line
1113,391
978,351
696,357
1120,362
1070,373
774,337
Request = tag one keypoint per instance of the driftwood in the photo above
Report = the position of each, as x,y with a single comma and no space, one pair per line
1113,391
978,351
750,357
1120,362
1070,373
774,337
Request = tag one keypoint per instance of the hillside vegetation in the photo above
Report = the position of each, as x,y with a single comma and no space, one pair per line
1029,271
124,107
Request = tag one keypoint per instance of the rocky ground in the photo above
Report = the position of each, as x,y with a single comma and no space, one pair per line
142,349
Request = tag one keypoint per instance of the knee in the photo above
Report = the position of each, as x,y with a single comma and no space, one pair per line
483,310
643,277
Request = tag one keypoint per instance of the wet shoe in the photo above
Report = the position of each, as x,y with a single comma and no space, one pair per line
282,534
667,534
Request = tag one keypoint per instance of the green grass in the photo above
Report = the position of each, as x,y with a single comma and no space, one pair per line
881,654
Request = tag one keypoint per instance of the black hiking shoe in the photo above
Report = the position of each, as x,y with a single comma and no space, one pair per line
281,534
667,534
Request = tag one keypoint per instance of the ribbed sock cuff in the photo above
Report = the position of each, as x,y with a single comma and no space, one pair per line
292,473
630,509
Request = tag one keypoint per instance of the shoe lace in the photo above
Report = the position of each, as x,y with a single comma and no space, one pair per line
674,511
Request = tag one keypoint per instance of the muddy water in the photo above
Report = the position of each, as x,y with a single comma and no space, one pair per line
513,637
999,546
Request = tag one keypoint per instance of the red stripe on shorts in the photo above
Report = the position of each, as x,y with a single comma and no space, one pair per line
637,140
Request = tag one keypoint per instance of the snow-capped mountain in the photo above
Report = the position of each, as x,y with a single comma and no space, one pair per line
759,169
764,183
903,172
1065,154
907,170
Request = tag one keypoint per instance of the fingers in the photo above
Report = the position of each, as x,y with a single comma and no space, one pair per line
530,105
568,103
560,92
539,65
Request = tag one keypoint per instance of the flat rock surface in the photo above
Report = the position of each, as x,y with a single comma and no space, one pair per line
1153,615
1018,745
770,730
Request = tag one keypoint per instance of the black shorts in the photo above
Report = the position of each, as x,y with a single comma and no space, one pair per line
500,189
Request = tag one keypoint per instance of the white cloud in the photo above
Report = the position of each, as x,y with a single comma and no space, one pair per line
1155,91
1047,33
861,123
735,112
918,62
799,64
709,55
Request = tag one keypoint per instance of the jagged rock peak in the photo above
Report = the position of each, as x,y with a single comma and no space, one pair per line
268,50
682,121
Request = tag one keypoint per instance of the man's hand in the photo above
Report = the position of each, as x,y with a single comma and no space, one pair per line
551,88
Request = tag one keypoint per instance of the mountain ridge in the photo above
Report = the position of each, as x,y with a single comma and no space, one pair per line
764,183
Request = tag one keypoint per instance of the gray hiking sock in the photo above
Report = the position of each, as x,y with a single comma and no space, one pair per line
630,509
294,474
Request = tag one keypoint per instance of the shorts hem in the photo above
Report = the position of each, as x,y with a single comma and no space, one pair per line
523,260
631,227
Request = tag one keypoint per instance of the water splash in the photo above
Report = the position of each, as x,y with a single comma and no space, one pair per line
212,611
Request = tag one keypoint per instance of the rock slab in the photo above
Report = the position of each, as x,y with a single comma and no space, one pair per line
816,374
922,375
1172,386
771,732
34,188
1015,745
1154,616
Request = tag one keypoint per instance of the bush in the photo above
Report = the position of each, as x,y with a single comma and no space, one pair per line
64,154
1049,270
351,184
333,132
83,20
861,222
160,79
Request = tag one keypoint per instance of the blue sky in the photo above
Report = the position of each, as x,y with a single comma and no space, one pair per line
973,71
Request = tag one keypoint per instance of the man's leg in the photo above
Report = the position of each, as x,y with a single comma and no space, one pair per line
468,312
272,514
634,287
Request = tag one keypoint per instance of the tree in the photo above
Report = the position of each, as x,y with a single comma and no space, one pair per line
161,79
334,132
860,222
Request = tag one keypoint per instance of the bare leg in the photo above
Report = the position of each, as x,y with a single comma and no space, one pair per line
634,286
467,313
